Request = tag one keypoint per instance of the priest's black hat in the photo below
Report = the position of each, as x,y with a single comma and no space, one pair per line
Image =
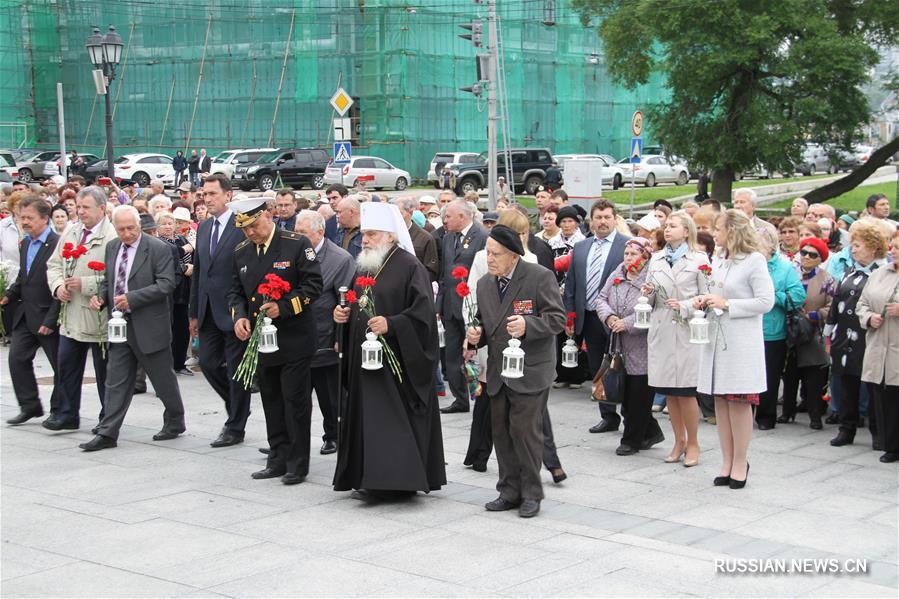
508,238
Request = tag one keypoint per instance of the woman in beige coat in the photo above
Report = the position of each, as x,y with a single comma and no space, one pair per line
878,313
675,277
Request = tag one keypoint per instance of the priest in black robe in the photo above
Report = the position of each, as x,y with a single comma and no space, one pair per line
390,438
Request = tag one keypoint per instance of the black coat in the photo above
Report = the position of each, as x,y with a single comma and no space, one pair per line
449,304
193,164
179,163
545,255
29,296
847,346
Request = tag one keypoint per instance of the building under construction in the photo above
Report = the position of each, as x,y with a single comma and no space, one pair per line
226,73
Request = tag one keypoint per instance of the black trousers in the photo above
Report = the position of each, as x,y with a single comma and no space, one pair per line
72,359
180,335
518,435
220,355
813,379
639,425
775,358
597,344
886,403
850,388
324,380
454,336
288,414
23,348
706,404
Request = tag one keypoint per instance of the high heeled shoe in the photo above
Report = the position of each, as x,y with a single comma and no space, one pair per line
688,462
721,481
784,419
671,458
739,484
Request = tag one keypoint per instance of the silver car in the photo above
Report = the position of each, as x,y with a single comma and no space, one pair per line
375,172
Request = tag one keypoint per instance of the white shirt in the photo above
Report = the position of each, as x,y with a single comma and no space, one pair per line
131,252
223,219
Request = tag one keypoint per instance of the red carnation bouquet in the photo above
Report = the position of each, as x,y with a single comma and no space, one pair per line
98,268
464,291
707,270
367,304
70,255
273,289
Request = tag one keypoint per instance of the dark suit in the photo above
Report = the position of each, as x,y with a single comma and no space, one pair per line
425,250
353,245
587,324
220,349
149,337
284,374
518,405
457,251
331,228
287,224
32,307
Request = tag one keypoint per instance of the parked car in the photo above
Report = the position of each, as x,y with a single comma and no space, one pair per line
143,168
816,158
382,173
55,167
34,166
442,159
8,166
21,153
856,157
528,166
295,166
94,170
228,160
611,172
654,169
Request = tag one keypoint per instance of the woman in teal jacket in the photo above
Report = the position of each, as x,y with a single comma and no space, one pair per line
788,293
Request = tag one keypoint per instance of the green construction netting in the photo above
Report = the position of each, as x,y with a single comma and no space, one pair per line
402,60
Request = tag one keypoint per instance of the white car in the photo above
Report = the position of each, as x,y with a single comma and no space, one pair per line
376,172
143,168
611,171
654,169
442,159
228,160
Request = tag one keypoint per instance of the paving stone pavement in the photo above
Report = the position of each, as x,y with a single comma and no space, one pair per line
180,519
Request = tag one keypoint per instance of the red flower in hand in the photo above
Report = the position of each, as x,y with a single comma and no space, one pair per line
97,266
365,282
706,270
569,322
69,246
460,272
463,290
351,297
617,281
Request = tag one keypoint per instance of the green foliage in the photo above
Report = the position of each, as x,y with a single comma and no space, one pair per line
851,200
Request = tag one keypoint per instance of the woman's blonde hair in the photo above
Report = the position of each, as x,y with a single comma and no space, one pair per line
705,216
688,224
513,219
742,238
872,234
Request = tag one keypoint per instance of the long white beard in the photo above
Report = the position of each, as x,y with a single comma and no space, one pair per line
370,260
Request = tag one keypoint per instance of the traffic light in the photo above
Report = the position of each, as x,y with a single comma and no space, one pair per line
477,33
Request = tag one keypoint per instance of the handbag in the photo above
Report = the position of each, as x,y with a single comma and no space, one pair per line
608,384
800,330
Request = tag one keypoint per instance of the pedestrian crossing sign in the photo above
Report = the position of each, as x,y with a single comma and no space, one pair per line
636,149
343,152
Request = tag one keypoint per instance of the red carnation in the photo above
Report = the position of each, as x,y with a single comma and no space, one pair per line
351,296
463,290
460,272
79,251
97,266
66,254
617,281
68,246
705,269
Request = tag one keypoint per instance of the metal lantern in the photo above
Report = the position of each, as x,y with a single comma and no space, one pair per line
372,350
513,360
117,328
569,354
268,337
441,333
641,313
699,329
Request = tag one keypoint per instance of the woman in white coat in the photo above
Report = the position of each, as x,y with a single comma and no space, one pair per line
732,364
677,274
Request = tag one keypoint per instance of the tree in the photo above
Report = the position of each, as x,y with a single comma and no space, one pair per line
750,81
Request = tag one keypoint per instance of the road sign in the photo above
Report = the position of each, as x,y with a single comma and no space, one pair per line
343,130
637,123
343,152
341,101
636,149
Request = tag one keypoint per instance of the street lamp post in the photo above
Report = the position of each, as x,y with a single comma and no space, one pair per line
105,51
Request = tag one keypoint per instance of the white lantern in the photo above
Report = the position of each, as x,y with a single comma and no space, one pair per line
569,354
513,360
641,313
117,328
441,333
268,337
699,329
372,350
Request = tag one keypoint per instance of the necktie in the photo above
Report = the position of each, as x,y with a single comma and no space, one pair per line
502,283
215,237
122,273
457,241
594,274
84,236
260,249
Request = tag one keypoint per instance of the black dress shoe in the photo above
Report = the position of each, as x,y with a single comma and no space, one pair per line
265,450
184,372
97,443
765,426
500,505
226,439
270,472
604,426
721,481
328,447
784,418
24,417
292,479
889,457
454,408
626,450
653,441
164,436
529,508
842,438
54,424
558,475
479,467
815,425
832,419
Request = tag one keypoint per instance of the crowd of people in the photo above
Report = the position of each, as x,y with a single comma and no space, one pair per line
391,303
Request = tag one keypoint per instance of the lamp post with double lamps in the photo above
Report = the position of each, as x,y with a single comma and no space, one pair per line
105,51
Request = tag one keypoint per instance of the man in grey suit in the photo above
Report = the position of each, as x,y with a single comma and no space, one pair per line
521,300
140,282
463,239
593,260
338,268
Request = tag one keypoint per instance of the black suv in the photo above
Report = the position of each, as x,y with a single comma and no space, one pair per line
296,166
528,165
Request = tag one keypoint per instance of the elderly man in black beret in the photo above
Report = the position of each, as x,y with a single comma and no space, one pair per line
517,299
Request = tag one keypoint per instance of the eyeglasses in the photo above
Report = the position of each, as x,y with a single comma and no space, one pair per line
808,254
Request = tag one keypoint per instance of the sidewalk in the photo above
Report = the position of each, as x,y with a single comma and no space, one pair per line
180,519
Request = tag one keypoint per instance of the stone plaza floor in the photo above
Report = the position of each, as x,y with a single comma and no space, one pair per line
180,519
